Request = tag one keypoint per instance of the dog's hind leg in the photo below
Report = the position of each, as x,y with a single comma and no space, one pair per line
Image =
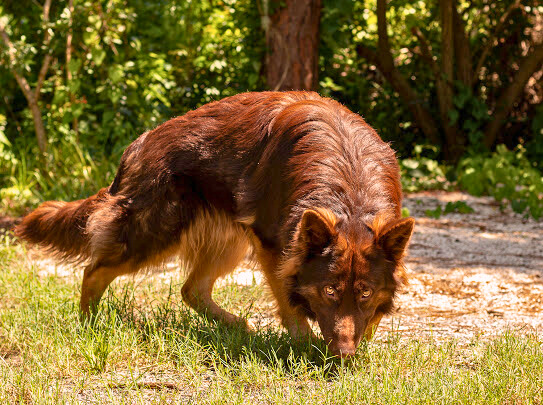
213,247
96,279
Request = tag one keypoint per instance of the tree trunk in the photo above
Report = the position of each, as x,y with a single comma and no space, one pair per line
528,66
292,38
455,143
462,51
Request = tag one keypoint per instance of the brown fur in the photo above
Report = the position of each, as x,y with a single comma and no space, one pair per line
299,178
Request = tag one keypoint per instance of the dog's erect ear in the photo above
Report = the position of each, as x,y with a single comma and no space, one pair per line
395,236
317,229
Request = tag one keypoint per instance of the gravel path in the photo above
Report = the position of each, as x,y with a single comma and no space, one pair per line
471,275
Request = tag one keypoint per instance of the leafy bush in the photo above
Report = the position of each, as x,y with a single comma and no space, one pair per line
507,176
423,172
471,114
460,207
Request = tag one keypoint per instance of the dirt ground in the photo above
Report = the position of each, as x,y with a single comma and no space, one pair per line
471,275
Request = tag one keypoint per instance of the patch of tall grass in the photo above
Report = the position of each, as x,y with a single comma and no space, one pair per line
68,172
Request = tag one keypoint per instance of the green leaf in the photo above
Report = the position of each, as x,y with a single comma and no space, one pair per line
435,213
98,55
453,116
74,65
115,73
3,139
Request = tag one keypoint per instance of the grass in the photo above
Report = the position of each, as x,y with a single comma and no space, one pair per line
145,346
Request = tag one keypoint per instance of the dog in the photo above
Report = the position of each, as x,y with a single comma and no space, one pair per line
299,179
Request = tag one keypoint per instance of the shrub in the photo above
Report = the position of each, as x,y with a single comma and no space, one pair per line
505,175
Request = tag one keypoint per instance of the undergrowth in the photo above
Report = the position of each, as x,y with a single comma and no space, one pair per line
506,175
69,172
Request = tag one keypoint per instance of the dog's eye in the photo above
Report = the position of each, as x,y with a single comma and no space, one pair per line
365,294
330,291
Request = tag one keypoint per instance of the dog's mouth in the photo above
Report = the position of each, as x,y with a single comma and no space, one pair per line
343,348
343,344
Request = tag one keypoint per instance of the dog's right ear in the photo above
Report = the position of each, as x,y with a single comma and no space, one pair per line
395,237
317,229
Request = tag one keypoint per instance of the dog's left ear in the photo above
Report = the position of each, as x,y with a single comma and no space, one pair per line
317,229
395,237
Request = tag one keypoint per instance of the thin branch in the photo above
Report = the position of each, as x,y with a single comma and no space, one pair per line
69,77
426,51
30,95
492,39
46,8
105,27
530,64
383,60
23,83
41,76
47,58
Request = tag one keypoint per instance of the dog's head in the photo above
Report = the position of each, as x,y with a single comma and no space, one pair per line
346,278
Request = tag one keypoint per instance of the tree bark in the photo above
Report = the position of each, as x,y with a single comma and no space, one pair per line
530,64
455,143
292,38
383,60
462,51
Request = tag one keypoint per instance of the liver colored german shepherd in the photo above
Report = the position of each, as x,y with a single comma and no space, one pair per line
300,179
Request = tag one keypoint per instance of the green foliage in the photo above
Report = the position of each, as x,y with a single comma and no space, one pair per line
460,207
134,64
470,113
137,63
70,173
507,176
422,172
348,76
93,345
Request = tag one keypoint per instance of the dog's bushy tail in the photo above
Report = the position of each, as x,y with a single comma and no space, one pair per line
60,227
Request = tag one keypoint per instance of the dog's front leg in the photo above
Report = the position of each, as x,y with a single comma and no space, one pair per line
291,318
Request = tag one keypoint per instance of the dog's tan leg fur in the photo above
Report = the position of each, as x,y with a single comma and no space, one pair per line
372,326
291,319
95,282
